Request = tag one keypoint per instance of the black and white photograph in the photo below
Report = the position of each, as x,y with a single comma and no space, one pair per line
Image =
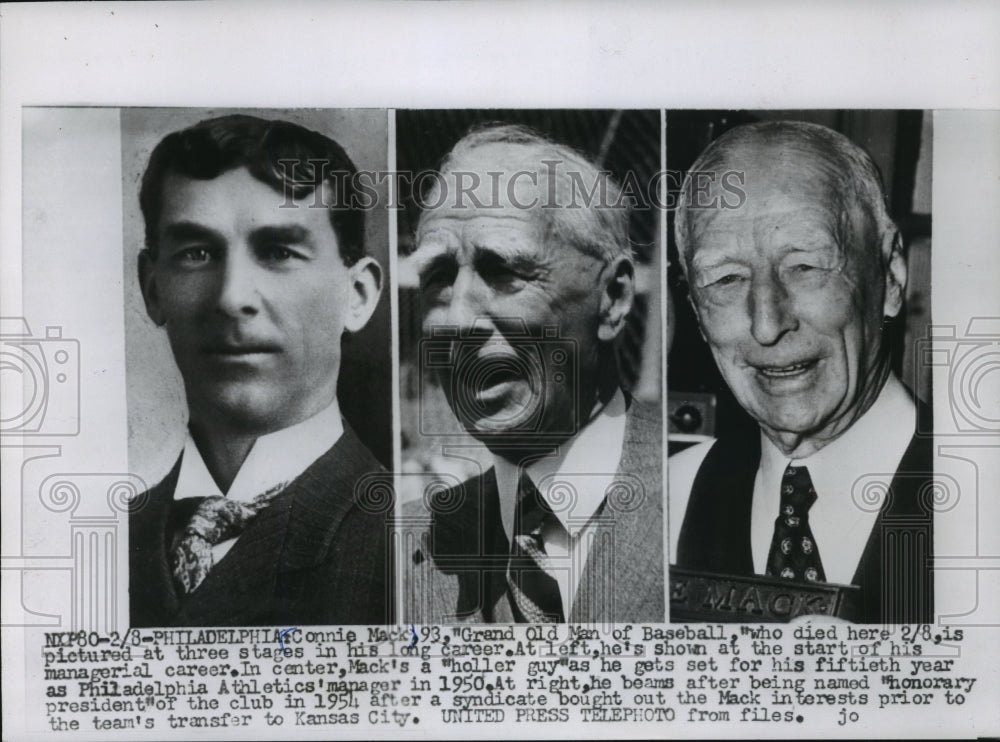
254,273
437,370
801,246
530,364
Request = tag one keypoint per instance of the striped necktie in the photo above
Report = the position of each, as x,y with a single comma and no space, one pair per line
533,590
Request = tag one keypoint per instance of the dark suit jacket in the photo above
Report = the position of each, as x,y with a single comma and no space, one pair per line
316,555
895,572
456,568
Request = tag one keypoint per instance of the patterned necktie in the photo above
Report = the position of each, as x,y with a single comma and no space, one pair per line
794,554
533,589
215,520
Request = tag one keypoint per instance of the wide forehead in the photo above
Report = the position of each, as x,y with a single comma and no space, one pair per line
793,168
236,198
505,157
513,174
487,195
514,235
793,195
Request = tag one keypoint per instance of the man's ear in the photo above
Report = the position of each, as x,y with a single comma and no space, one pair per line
150,291
366,287
616,298
895,273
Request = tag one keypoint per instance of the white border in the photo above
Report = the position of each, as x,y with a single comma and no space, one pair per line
854,54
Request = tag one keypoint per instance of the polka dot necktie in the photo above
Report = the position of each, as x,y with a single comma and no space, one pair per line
794,554
533,590
215,520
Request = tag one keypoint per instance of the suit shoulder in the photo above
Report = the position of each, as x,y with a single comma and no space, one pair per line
142,504
444,501
684,464
682,469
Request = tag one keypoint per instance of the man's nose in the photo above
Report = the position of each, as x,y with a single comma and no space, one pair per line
467,308
239,290
771,314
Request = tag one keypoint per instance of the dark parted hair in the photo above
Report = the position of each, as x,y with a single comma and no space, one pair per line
289,158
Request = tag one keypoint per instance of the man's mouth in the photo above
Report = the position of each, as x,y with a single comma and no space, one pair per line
787,372
495,381
240,350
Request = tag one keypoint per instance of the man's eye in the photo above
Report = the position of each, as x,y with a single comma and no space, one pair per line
805,275
193,255
437,277
501,275
276,253
503,272
724,281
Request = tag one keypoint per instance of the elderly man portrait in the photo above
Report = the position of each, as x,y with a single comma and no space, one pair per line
255,268
795,271
525,290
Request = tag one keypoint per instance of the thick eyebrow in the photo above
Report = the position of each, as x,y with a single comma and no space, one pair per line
713,261
435,258
185,231
292,234
517,260
430,253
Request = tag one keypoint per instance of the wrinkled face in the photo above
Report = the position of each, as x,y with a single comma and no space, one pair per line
253,298
790,292
524,310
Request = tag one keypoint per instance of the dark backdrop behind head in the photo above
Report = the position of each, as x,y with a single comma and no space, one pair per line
157,411
900,144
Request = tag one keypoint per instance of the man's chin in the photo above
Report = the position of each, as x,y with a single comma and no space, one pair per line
801,423
252,410
494,429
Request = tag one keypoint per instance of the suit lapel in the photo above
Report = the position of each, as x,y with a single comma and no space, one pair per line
619,582
715,536
895,572
152,595
293,533
463,561
468,554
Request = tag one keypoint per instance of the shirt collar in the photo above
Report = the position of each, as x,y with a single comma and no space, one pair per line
275,458
587,462
872,447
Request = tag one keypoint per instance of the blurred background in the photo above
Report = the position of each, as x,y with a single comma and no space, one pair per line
699,404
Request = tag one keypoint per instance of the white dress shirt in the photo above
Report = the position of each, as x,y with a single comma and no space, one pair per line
587,463
274,459
868,452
